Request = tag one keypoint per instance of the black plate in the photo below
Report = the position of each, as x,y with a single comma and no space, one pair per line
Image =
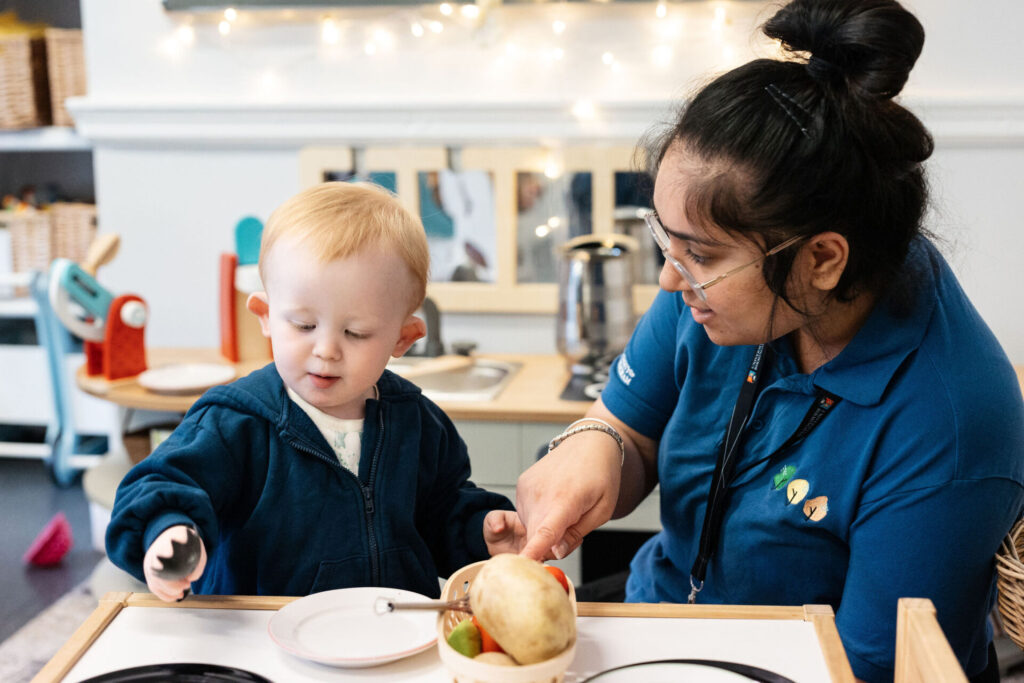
751,672
178,673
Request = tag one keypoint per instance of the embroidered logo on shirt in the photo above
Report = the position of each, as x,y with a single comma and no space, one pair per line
797,491
814,509
625,372
783,477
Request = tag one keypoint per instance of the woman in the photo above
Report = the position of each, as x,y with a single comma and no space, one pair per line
827,416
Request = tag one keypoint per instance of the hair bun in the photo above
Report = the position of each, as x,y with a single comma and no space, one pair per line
868,45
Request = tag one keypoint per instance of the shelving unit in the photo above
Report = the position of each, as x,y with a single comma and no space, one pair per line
47,139
35,157
24,368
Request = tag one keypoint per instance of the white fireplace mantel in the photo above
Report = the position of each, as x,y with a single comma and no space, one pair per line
955,122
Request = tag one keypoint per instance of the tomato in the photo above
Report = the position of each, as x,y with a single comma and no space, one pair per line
558,574
488,644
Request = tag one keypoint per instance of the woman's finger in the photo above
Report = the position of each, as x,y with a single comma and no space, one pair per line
546,531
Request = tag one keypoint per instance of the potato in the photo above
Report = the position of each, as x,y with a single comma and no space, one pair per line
523,607
495,658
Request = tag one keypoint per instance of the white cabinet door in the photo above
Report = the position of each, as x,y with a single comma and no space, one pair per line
26,397
494,451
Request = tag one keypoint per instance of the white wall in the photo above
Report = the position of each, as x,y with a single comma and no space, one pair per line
191,136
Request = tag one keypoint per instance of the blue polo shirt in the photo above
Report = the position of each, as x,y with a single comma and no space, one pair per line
905,489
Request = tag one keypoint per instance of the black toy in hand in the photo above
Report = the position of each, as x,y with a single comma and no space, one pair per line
184,557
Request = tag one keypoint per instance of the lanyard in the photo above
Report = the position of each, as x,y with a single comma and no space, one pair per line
726,463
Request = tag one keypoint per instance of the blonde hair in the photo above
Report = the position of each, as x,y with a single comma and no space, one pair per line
339,219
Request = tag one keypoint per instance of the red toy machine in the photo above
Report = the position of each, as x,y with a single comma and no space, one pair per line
111,327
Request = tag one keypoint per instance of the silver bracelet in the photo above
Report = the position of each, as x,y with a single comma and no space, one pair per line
592,423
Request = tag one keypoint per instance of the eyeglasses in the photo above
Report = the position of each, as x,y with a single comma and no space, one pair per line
661,238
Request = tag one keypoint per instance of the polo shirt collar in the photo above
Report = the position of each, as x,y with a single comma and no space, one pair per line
863,370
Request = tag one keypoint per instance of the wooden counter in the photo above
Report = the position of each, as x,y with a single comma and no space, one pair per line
531,395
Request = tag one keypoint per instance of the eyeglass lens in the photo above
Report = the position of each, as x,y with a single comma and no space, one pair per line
662,240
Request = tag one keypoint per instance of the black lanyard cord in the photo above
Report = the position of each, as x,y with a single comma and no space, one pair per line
726,463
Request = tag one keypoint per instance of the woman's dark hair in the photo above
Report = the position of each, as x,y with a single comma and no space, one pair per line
816,143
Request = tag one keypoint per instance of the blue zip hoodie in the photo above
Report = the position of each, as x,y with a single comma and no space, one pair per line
279,515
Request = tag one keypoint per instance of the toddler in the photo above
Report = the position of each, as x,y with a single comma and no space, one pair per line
323,469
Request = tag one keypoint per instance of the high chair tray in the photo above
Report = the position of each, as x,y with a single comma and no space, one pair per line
137,629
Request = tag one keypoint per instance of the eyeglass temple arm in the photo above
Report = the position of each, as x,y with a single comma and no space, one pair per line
774,250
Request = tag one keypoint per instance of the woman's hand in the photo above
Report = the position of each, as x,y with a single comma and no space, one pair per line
568,493
170,589
581,484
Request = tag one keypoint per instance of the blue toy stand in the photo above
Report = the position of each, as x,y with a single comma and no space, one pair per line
70,450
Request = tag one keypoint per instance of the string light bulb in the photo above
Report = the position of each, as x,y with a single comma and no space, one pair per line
445,9
470,11
719,19
661,10
384,39
186,34
329,33
224,28
584,110
558,27
416,28
230,14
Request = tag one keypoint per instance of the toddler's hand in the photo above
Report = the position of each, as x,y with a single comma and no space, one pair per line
504,532
160,563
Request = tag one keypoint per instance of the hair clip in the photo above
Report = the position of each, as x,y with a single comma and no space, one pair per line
786,103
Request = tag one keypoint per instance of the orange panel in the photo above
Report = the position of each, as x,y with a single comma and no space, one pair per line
226,297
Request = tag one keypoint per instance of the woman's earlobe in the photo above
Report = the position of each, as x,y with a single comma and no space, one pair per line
829,253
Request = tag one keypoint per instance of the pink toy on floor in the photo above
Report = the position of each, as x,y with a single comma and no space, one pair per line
52,543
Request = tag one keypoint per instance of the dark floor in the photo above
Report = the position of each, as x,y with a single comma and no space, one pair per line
28,500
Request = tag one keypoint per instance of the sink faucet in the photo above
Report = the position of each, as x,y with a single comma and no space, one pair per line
433,346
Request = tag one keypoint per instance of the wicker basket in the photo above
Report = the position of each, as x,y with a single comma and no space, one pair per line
73,227
31,243
466,670
65,229
65,62
24,95
1010,571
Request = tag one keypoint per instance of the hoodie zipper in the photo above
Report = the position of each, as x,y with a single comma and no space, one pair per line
371,532
366,490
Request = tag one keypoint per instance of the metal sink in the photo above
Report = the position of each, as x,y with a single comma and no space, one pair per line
481,380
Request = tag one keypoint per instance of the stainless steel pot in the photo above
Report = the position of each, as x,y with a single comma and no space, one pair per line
595,299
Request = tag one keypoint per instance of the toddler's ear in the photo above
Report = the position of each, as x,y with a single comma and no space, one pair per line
413,329
258,305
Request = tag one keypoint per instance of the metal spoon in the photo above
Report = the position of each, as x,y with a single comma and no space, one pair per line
384,605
